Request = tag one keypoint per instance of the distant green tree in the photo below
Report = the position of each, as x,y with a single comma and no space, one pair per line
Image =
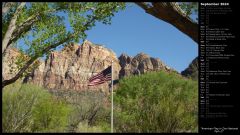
42,26
156,102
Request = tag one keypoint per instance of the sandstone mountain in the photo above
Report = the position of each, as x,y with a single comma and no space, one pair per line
192,70
140,64
70,68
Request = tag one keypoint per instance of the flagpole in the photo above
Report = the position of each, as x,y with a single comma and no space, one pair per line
112,100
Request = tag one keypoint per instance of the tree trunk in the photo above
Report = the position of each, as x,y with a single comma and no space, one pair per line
11,27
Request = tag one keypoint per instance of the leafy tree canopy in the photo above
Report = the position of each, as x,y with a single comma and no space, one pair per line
42,26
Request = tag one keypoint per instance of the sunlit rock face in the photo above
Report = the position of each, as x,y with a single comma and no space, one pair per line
140,64
192,70
71,68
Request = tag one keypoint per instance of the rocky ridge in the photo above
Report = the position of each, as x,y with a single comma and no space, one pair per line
70,68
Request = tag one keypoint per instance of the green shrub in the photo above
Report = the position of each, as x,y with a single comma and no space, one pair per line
50,115
156,102
17,107
83,126
28,108
89,113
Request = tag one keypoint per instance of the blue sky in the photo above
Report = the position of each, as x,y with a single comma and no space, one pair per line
133,31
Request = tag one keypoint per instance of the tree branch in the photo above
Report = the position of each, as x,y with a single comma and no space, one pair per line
23,27
7,6
142,5
11,26
28,63
171,13
26,26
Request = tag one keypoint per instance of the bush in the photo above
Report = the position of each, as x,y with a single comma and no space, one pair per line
89,113
28,108
156,102
50,115
83,126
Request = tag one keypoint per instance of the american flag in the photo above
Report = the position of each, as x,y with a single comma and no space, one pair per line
101,77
